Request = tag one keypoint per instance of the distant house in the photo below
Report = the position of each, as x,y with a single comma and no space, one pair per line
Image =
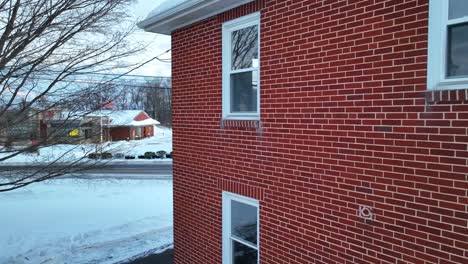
119,124
19,127
113,125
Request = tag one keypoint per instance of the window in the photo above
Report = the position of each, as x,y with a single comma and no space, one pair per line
88,133
448,44
240,229
241,65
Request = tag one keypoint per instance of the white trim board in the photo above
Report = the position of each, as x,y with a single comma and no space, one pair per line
437,48
186,14
227,197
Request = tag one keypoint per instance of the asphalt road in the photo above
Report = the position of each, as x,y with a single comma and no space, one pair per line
153,168
166,257
112,170
128,171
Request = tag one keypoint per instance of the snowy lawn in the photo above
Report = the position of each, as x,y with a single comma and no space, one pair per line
85,221
162,140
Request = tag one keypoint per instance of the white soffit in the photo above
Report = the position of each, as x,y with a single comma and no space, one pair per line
174,14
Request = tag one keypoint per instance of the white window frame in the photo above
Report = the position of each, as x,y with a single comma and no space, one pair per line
437,48
227,235
228,28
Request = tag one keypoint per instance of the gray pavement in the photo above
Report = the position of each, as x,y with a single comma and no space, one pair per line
166,257
152,168
125,170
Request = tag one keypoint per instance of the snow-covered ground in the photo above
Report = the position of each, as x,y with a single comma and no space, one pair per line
162,140
85,221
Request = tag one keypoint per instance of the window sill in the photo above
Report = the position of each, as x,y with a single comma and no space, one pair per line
240,123
455,84
240,117
447,96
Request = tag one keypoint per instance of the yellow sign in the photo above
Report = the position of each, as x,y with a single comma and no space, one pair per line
74,133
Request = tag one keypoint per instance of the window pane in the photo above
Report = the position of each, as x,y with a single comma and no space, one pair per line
458,8
244,92
244,47
457,55
244,221
242,254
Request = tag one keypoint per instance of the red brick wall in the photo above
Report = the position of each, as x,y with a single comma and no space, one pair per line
346,120
124,133
120,133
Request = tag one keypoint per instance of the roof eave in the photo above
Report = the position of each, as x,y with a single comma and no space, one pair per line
187,13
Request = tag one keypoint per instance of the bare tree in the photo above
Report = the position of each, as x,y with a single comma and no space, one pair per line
47,50
245,57
158,100
154,97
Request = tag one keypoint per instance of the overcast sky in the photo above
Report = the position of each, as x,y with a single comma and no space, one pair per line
157,43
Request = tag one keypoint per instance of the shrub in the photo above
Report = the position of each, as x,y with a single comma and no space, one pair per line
129,157
31,151
94,156
119,156
141,156
169,156
161,154
8,145
150,155
106,155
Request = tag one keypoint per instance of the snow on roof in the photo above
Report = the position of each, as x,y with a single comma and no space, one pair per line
123,118
170,15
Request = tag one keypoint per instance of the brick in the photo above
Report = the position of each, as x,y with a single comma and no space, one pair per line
346,120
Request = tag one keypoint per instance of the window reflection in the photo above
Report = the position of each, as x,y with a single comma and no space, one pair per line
458,8
457,52
244,92
244,47
243,254
244,221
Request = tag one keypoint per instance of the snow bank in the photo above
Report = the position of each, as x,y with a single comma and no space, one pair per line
73,221
61,152
162,140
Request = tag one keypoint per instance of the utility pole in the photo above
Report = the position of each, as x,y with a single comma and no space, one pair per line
100,134
100,127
